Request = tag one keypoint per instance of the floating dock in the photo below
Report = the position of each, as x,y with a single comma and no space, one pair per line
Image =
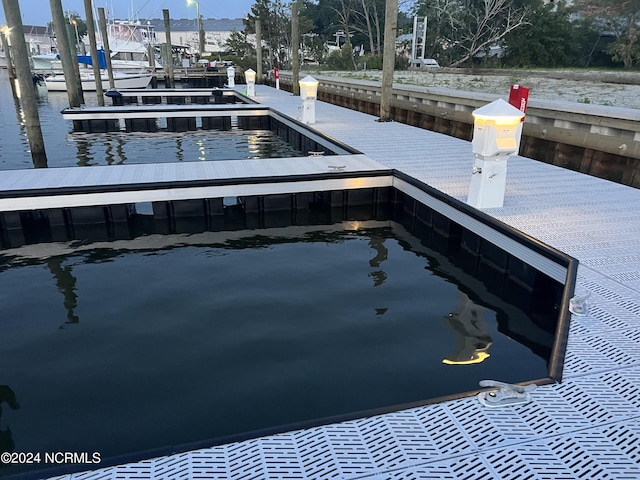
587,426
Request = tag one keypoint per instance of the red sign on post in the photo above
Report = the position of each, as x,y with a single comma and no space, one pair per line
519,97
276,73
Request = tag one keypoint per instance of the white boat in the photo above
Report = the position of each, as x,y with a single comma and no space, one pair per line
130,43
122,80
128,55
44,62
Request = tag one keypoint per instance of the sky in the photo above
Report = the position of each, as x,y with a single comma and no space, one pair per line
38,12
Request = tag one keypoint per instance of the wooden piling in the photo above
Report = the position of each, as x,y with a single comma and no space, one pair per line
8,56
105,43
93,47
295,42
389,58
10,69
25,82
74,88
168,64
73,51
259,51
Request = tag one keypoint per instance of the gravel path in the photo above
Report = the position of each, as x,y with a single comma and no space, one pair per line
594,88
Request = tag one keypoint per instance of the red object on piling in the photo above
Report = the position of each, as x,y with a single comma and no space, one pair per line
519,97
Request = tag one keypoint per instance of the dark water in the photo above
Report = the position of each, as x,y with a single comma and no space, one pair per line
165,340
65,148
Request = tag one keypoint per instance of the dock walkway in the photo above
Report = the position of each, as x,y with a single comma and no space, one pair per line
588,426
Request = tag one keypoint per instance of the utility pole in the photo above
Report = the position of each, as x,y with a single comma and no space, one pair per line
388,59
25,82
91,29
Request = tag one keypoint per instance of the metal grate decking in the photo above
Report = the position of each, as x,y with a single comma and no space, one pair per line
587,427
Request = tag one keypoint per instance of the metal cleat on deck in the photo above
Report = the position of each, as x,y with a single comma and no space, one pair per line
506,395
578,305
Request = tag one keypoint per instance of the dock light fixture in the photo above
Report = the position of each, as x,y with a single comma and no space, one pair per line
250,78
496,137
231,77
308,94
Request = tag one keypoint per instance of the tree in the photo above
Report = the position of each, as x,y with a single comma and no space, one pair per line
276,29
466,28
622,18
551,39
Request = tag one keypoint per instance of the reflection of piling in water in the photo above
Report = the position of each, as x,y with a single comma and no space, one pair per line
66,283
377,243
470,331
8,396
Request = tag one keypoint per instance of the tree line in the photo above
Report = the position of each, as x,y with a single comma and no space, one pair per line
347,34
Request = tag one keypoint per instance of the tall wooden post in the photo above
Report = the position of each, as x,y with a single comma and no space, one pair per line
388,59
200,31
74,88
258,51
93,47
168,63
10,69
73,51
295,44
7,53
25,82
105,42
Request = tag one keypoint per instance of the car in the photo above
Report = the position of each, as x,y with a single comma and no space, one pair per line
424,63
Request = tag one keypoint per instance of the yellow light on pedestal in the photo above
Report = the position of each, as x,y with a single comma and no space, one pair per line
308,88
497,129
250,76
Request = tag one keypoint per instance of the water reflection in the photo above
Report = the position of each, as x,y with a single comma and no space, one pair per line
180,151
470,331
66,283
7,396
378,276
84,158
118,156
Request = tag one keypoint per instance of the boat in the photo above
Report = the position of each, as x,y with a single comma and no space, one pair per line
122,80
45,62
130,44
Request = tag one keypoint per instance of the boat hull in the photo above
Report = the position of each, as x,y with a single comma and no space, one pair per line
56,83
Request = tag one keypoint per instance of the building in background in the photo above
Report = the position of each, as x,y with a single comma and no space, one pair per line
185,32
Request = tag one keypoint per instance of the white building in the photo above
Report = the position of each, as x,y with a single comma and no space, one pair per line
185,32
